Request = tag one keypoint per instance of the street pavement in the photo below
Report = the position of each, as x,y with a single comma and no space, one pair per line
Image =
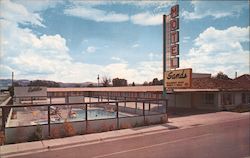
221,134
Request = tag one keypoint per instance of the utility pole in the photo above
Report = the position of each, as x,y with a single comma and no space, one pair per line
164,55
12,80
12,85
98,80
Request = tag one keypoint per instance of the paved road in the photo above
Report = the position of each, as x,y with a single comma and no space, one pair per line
229,139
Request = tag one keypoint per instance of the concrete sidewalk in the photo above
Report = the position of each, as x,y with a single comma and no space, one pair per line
174,123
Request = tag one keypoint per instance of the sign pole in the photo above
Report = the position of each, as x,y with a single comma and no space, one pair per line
164,56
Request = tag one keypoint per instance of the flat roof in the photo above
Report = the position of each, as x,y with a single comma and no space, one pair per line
126,89
110,89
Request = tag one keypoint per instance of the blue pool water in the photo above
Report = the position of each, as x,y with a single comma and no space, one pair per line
80,115
94,114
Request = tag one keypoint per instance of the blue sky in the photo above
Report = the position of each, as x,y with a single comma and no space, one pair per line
74,41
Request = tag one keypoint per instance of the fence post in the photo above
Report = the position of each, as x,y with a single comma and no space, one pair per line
3,119
143,112
49,116
166,102
108,96
135,105
86,117
125,104
117,116
67,98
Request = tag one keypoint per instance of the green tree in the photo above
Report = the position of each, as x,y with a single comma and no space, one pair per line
11,88
222,76
133,84
106,81
145,83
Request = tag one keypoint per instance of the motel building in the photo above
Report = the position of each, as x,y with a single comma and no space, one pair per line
205,93
118,107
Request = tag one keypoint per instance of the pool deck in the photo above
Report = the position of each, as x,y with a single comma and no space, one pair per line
180,123
31,116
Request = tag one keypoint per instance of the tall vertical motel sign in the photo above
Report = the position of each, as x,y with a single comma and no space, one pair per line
172,34
170,42
173,78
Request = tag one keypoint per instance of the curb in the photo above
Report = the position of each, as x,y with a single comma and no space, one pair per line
47,148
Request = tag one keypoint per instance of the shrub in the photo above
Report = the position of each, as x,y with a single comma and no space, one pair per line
38,135
55,133
68,128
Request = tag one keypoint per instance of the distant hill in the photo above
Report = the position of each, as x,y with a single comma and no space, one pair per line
5,83
84,84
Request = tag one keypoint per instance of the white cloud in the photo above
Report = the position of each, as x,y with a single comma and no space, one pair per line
141,4
147,19
215,9
5,71
219,50
91,49
154,56
118,59
147,70
143,71
48,57
39,5
186,39
17,13
88,10
98,15
135,45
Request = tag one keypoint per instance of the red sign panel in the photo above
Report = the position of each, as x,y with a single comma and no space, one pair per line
174,24
174,37
175,11
175,50
174,63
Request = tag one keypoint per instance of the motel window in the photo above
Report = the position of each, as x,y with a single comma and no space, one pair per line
244,98
227,99
209,98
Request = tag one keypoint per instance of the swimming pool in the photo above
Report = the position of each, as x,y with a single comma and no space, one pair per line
93,114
